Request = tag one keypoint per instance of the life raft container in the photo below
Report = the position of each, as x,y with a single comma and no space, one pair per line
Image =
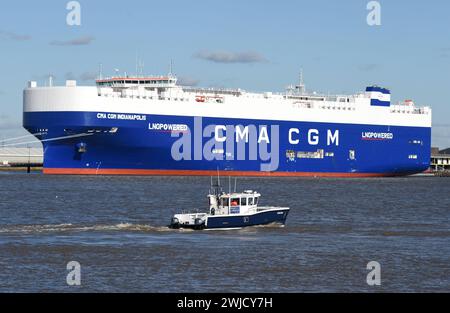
200,98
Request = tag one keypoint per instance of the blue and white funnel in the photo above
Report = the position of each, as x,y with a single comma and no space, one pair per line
379,96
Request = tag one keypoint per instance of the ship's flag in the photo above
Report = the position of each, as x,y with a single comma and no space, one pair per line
379,96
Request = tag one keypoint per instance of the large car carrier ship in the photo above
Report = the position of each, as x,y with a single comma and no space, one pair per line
153,126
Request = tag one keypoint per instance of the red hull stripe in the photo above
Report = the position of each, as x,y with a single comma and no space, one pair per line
105,171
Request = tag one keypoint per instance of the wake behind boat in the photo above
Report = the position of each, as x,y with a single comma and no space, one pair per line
231,210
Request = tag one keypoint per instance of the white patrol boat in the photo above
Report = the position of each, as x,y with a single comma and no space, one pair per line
231,211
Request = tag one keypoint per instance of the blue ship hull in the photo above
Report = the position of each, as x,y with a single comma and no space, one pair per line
85,143
262,218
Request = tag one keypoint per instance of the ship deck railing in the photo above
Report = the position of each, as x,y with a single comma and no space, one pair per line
223,91
306,101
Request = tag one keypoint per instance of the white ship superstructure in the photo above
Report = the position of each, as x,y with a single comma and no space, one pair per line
359,126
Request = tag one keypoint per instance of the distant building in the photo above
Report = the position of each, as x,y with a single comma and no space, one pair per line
440,159
21,156
445,151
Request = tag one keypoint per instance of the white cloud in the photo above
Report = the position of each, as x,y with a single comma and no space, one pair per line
444,52
88,76
81,41
13,36
369,67
70,76
231,57
187,81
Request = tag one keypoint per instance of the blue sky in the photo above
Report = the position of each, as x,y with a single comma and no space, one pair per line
250,44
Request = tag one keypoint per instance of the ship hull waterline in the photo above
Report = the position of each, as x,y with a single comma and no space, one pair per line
137,149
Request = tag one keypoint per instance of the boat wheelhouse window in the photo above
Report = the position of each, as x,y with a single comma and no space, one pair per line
235,201
224,202
244,201
256,200
250,201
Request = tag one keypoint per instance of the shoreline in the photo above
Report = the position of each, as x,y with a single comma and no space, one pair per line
35,169
20,168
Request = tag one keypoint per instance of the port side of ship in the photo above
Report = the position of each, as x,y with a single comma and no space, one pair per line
152,126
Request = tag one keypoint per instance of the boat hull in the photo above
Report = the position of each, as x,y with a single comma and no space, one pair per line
136,147
275,216
236,221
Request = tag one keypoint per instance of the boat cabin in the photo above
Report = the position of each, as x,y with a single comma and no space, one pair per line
234,203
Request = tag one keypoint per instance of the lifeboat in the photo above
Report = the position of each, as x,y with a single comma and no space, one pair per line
200,98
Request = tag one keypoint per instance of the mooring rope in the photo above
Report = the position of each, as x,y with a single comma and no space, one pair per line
21,137
50,139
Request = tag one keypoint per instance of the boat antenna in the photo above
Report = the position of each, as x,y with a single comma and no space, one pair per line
171,68
100,71
218,177
216,186
211,186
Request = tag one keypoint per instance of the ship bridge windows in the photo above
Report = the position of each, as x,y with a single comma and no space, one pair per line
235,201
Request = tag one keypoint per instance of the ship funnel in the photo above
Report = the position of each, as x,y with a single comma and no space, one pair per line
379,96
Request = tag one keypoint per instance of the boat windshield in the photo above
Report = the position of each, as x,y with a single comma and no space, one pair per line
224,202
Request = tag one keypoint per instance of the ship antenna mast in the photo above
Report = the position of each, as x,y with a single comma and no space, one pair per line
100,71
141,68
171,68
301,86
